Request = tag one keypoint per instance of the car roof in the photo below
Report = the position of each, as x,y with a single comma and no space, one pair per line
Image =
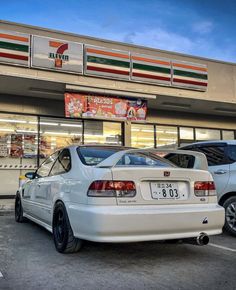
229,142
100,146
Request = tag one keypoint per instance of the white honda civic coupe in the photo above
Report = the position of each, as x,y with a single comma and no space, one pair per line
117,194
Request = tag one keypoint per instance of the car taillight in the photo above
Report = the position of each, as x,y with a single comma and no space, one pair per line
204,188
109,188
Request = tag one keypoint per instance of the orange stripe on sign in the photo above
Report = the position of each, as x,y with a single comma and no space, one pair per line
92,50
14,37
150,60
190,67
55,43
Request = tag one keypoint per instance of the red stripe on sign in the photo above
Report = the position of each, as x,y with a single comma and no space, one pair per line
107,70
190,82
150,76
13,56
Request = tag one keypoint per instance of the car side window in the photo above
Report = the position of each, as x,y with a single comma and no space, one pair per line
63,163
46,166
215,154
232,153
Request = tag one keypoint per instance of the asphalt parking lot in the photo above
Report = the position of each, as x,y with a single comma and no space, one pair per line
28,260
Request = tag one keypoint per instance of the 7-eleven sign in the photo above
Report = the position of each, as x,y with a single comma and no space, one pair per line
58,55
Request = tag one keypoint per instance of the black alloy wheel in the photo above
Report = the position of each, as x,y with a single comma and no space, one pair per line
18,209
63,236
230,215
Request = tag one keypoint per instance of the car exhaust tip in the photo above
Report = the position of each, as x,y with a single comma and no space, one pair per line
201,240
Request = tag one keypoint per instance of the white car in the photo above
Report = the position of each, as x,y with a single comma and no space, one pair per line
116,194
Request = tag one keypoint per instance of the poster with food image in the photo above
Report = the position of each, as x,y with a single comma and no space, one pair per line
75,105
16,145
30,146
44,147
137,110
3,146
78,105
106,107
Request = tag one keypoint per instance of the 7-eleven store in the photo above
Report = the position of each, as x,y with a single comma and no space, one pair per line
59,88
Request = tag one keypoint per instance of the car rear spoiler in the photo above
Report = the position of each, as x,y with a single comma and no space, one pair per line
200,161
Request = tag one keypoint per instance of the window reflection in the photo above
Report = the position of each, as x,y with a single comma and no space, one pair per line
142,135
207,134
167,136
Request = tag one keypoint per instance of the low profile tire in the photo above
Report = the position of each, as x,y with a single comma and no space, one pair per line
230,215
19,210
63,236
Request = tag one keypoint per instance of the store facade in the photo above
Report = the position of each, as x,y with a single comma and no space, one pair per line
58,89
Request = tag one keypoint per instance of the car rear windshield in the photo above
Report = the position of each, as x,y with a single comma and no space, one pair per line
94,155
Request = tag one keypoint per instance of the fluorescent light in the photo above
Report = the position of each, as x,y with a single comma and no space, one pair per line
56,133
7,130
171,132
49,123
71,125
165,139
26,131
159,131
135,129
12,121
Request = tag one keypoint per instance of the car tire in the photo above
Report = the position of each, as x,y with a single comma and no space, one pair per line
230,215
19,210
63,236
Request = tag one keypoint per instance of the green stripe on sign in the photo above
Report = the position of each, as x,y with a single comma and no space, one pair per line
107,61
151,68
14,46
190,74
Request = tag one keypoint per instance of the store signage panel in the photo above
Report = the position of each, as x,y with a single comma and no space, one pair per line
14,48
79,105
146,68
189,75
107,62
57,54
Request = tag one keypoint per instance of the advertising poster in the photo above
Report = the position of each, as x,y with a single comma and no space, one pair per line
16,145
75,105
3,146
30,148
78,105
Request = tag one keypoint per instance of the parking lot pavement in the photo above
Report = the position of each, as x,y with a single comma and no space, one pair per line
28,260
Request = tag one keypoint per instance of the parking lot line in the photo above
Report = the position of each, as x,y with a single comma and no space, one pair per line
1,275
222,247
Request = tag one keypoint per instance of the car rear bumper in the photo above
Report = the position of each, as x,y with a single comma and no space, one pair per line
144,223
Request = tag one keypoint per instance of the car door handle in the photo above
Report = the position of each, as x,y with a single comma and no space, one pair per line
220,171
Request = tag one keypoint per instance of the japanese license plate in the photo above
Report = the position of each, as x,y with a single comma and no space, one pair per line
166,190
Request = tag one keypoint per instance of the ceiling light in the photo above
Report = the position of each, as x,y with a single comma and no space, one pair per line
49,123
6,130
55,133
12,121
71,125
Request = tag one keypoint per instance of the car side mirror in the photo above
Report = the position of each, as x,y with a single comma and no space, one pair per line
30,175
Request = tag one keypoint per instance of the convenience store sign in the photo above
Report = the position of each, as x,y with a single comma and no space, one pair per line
78,58
79,105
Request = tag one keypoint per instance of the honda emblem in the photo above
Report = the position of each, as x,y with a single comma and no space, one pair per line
166,173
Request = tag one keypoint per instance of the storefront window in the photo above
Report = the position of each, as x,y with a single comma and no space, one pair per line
142,135
58,133
99,132
186,133
18,149
228,135
207,134
166,136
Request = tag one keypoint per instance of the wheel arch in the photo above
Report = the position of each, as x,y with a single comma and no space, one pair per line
226,196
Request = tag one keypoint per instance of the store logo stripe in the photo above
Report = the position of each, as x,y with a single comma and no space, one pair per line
190,70
107,66
190,74
155,61
14,37
151,68
150,73
189,82
190,78
98,51
14,46
13,56
108,61
14,52
189,66
140,75
106,70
